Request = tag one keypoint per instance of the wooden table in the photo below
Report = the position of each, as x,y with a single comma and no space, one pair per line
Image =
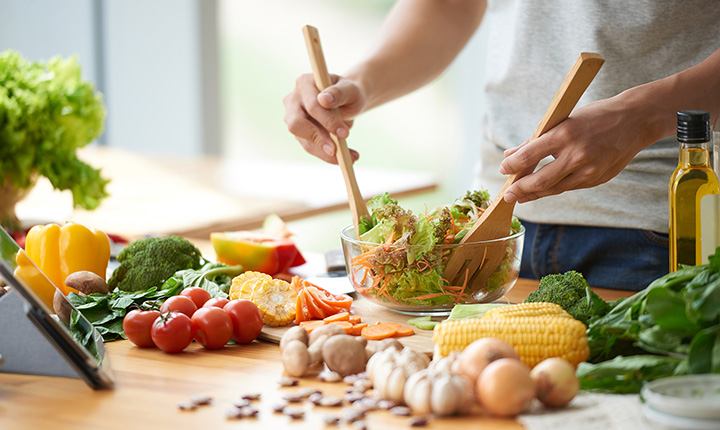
150,383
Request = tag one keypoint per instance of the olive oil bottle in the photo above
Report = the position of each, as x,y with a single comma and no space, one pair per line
692,180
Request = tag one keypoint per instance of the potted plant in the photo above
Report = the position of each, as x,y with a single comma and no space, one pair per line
47,112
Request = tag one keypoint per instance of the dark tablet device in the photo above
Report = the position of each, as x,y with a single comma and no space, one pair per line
64,327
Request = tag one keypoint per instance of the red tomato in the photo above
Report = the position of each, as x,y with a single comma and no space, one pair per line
246,318
172,332
197,295
182,304
217,302
212,327
137,325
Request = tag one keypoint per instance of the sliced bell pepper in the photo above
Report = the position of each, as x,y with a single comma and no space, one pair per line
60,251
256,251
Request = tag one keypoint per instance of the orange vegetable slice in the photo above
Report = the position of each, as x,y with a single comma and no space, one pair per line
355,319
343,325
356,329
404,331
340,316
378,331
311,325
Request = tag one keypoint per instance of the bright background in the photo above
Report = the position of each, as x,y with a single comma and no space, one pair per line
207,77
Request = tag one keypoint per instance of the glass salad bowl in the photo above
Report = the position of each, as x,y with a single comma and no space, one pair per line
407,279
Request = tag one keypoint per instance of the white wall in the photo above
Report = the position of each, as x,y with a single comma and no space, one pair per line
145,56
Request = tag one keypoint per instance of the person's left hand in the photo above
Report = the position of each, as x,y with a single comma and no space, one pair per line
591,147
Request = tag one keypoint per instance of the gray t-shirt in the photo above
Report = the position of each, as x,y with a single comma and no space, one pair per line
532,46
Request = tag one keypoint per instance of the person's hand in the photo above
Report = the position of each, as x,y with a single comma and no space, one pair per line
589,148
309,115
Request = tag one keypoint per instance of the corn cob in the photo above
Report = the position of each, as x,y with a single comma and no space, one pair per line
274,297
533,338
535,309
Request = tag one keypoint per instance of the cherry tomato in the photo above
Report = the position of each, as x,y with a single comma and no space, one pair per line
247,320
172,332
182,304
218,302
197,294
212,327
137,325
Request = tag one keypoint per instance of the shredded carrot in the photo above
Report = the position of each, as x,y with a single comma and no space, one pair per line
354,319
340,316
404,331
345,325
356,329
378,331
311,325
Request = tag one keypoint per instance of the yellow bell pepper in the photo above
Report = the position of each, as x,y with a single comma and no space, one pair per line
33,278
60,251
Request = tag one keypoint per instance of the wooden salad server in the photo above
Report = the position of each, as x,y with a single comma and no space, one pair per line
474,264
358,208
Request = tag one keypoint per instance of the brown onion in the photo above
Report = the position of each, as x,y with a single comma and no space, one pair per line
555,382
476,356
505,387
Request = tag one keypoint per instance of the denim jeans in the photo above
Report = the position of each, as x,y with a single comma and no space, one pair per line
617,258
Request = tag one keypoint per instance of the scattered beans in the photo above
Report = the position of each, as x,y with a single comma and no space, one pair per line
363,384
351,415
331,420
366,404
350,379
315,398
386,404
418,421
249,411
279,407
251,396
187,406
294,413
402,411
306,392
201,399
331,401
354,396
288,382
293,397
233,414
360,425
241,403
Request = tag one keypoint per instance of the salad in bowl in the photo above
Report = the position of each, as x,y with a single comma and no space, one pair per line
399,258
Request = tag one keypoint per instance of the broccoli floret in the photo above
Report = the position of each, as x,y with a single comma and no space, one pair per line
149,262
570,290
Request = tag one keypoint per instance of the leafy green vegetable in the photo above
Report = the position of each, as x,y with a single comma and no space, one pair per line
409,271
215,278
150,261
47,112
675,317
571,291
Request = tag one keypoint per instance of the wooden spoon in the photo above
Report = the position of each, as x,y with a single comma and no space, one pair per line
474,264
358,209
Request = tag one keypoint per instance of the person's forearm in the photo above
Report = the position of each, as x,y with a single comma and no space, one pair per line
695,88
420,38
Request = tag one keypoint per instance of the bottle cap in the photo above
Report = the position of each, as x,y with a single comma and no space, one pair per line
693,126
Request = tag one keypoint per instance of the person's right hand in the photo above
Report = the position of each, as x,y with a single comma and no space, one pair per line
309,114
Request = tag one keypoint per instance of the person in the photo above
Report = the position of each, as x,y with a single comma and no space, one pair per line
597,201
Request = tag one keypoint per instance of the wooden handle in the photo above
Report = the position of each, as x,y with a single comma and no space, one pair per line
358,209
583,72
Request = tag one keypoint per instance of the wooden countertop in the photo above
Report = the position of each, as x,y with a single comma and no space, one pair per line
150,383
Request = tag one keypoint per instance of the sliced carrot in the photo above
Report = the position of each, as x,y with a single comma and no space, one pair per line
343,325
311,325
354,319
378,331
313,310
394,324
404,331
341,316
356,329
300,309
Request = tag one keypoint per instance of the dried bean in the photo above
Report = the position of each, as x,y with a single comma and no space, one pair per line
351,415
279,407
249,411
363,384
350,379
418,421
187,406
251,396
329,376
367,404
386,404
331,401
360,425
201,399
234,413
354,396
402,411
315,398
306,392
331,420
293,397
241,403
294,413
288,382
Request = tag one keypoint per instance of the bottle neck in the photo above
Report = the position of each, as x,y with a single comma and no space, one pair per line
694,154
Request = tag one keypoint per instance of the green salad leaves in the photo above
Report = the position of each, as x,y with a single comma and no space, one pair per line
409,270
47,112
